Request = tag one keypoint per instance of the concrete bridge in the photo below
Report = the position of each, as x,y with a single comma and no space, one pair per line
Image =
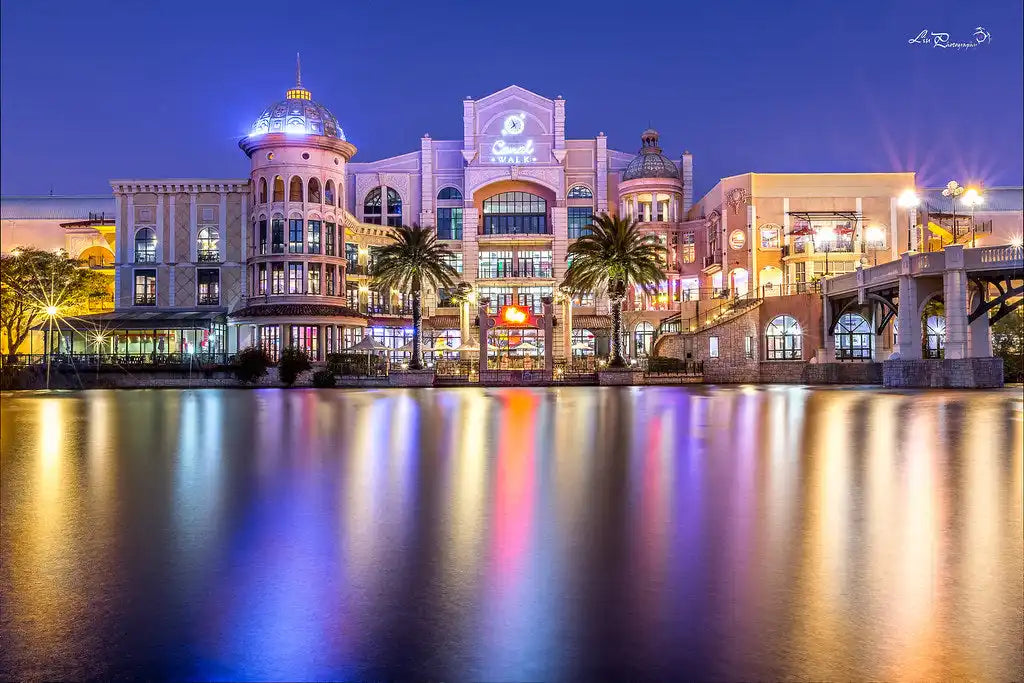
977,287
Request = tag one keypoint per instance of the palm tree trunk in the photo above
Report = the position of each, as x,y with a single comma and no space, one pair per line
616,360
416,363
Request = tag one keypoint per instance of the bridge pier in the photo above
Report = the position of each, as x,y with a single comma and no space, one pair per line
954,293
908,314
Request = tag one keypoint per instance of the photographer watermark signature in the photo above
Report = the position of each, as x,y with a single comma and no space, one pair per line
937,39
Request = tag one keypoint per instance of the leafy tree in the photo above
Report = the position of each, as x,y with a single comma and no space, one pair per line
414,258
613,256
251,364
324,379
33,280
292,363
1008,344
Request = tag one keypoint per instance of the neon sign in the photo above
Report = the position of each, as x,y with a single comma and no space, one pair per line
514,151
516,316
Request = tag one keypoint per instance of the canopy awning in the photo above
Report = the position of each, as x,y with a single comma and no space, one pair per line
852,216
139,320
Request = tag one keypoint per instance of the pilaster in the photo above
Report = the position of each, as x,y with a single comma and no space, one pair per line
193,226
954,289
602,173
908,314
222,229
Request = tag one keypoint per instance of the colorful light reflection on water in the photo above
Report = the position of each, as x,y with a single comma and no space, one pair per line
736,533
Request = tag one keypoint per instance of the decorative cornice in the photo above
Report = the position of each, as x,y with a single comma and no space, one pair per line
173,186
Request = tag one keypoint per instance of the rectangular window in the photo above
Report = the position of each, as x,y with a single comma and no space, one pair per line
208,280
748,346
313,278
689,248
499,296
329,276
770,236
351,253
584,300
295,236
377,303
495,264
372,258
449,224
713,347
145,288
689,289
329,339
261,278
263,237
277,278
530,297
579,218
270,340
454,260
277,236
313,246
304,338
533,264
295,278
329,239
352,295
800,277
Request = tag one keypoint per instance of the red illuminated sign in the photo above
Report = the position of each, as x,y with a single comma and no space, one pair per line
516,316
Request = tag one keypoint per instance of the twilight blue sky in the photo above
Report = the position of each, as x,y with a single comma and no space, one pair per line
97,90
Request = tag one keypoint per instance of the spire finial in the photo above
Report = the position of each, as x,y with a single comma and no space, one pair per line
298,71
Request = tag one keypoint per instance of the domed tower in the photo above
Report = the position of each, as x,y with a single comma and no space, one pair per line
651,190
296,242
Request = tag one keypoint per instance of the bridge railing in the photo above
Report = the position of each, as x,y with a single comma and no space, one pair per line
987,257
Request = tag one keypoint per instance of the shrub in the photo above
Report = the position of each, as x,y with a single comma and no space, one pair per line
661,364
323,379
250,364
354,364
1008,344
292,363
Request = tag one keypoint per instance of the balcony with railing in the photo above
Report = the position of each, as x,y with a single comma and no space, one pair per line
208,256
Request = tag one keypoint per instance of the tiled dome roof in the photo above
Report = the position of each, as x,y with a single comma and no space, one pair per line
650,162
297,114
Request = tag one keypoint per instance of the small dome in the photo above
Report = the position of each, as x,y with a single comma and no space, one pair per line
650,162
297,114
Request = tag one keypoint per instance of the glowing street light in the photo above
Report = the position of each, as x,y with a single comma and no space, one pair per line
972,198
909,200
876,238
952,191
51,313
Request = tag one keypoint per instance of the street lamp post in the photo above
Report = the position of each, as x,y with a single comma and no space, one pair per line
972,198
909,200
51,311
953,190
875,236
826,235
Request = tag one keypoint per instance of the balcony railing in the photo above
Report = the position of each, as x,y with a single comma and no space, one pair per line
209,300
208,256
356,269
145,299
538,271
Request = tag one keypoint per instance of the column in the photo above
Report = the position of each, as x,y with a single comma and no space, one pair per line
245,227
470,245
827,352
954,289
484,326
908,315
979,339
754,282
193,226
549,334
163,235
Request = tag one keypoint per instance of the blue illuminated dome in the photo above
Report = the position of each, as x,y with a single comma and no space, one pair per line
297,114
650,162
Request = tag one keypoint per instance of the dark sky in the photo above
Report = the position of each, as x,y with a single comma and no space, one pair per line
100,90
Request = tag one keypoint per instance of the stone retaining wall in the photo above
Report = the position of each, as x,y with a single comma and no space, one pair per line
960,373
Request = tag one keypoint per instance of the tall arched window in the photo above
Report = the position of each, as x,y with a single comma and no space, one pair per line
643,336
263,191
512,213
372,208
145,246
783,339
934,336
313,196
853,337
208,245
580,192
295,189
449,193
278,189
329,192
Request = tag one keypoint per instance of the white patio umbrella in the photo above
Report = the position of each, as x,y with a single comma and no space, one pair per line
368,344
527,346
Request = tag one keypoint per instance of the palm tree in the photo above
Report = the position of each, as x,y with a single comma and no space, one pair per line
613,255
414,258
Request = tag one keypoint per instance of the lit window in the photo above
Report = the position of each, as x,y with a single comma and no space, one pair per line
314,191
770,236
145,288
208,248
511,213
689,247
145,246
713,347
295,189
783,339
580,192
853,337
295,278
313,245
329,239
295,236
277,278
208,285
313,278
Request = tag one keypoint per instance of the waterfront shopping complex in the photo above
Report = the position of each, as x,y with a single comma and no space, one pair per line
281,256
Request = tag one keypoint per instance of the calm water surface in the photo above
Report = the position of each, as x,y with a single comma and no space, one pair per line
567,533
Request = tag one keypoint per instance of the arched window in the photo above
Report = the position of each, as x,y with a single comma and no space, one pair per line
263,191
783,339
145,246
853,337
313,196
449,193
208,245
580,192
372,208
329,193
934,336
278,189
739,281
643,336
295,189
511,213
